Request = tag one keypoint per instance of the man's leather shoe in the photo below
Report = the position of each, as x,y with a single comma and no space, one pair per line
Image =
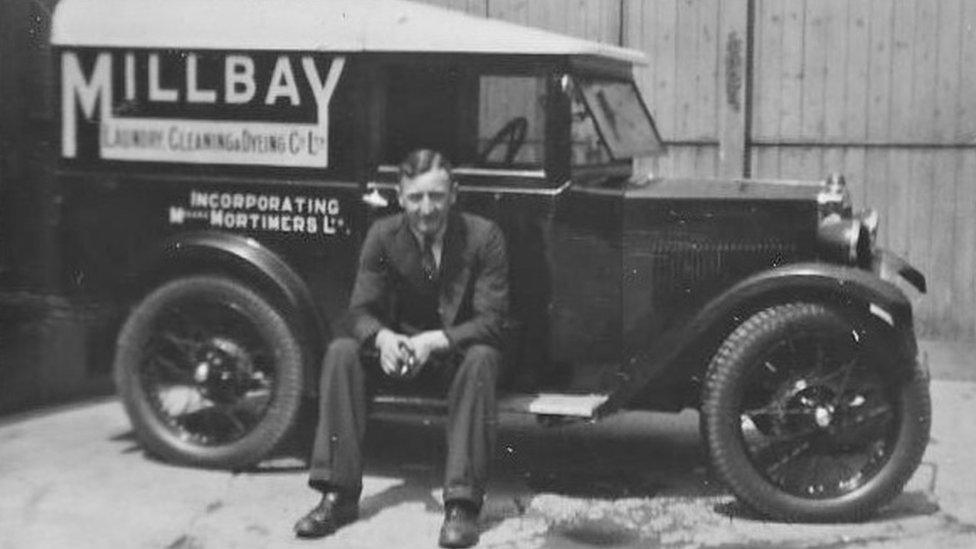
330,514
460,527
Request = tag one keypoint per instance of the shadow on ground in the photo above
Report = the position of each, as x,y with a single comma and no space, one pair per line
602,460
620,482
605,460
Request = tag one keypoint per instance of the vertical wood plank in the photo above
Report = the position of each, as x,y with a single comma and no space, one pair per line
835,70
706,70
768,66
942,243
816,31
853,170
665,52
731,87
919,219
754,161
856,77
899,201
685,159
878,104
833,160
966,107
902,69
817,27
947,70
791,88
791,70
793,160
923,165
685,74
765,164
900,126
880,64
877,186
964,263
946,176
925,62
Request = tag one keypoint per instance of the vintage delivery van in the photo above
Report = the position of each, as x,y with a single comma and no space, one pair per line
220,162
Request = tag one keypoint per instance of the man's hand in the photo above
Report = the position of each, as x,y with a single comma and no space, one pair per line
426,343
392,347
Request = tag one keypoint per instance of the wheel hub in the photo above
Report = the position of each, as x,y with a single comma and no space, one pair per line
807,406
224,369
823,415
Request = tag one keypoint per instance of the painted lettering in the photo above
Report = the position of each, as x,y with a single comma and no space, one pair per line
97,89
130,76
156,91
282,83
323,90
239,84
132,129
193,92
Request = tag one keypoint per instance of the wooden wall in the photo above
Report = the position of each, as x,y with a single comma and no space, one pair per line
883,91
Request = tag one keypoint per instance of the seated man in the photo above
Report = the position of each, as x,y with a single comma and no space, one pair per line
431,294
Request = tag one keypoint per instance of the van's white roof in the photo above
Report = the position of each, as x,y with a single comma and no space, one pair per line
308,25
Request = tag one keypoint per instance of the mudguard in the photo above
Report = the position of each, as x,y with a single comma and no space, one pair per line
240,257
846,285
691,343
888,265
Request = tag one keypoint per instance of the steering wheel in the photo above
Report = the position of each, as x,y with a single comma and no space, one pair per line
512,134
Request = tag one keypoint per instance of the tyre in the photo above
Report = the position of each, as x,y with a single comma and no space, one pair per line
210,373
808,416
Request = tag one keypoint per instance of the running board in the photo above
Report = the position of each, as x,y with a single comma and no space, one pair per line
554,404
542,404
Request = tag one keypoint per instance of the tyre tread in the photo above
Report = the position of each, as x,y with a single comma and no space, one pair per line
279,419
763,497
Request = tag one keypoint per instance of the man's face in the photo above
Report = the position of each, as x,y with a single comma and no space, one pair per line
426,199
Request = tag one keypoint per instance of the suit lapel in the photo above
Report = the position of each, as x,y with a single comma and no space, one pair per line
455,272
406,254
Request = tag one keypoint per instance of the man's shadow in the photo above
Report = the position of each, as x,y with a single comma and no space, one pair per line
636,457
633,455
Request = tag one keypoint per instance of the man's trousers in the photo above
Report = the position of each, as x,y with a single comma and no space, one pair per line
337,456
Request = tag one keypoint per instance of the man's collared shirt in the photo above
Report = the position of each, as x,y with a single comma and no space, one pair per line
436,247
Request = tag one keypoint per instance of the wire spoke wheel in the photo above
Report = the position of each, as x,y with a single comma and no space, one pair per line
209,380
826,424
808,415
210,372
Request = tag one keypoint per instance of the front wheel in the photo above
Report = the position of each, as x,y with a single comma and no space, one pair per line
210,373
809,416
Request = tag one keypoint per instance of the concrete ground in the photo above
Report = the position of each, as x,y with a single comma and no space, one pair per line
75,477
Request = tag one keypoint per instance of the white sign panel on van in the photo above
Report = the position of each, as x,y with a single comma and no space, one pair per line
198,107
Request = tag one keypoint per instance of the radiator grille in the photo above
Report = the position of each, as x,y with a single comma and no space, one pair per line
684,264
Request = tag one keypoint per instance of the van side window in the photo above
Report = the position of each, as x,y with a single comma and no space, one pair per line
479,120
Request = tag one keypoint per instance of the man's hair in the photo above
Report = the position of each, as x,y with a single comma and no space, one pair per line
421,161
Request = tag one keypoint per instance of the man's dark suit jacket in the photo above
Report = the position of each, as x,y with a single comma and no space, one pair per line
473,285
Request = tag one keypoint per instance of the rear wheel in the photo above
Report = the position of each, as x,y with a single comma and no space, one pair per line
808,416
210,373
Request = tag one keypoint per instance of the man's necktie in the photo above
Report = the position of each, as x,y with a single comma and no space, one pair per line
428,261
